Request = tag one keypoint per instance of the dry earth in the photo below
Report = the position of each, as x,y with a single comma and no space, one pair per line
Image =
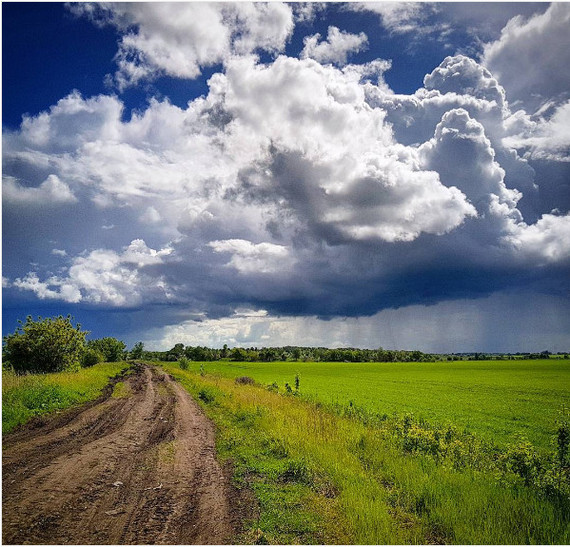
140,469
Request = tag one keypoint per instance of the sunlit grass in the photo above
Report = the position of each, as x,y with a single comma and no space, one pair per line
26,396
360,487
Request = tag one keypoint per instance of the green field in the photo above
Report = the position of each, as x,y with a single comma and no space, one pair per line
496,400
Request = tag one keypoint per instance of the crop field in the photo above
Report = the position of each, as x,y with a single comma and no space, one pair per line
497,400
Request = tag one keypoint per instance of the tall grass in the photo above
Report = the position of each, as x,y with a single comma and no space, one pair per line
29,395
365,488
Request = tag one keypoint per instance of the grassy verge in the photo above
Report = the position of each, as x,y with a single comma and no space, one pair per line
24,397
323,478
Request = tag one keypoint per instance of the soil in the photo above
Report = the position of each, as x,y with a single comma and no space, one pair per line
139,469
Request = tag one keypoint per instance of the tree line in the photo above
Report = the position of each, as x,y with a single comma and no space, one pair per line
285,353
55,345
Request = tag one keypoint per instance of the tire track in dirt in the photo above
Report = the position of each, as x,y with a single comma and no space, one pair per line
134,470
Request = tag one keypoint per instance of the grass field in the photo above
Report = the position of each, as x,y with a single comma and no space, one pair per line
26,396
320,477
496,400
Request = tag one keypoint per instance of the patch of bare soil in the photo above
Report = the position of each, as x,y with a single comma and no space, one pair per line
135,470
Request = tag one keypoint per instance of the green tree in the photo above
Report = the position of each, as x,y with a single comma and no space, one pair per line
137,351
91,357
46,345
112,349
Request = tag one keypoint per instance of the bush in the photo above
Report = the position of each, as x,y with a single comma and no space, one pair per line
183,363
113,350
245,380
46,345
91,357
206,395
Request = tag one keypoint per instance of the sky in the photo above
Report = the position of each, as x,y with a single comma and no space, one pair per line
387,174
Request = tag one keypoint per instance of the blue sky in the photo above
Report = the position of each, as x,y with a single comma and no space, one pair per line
389,174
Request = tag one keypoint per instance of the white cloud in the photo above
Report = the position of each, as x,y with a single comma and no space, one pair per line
61,291
336,48
248,257
264,26
543,139
51,191
398,17
59,252
180,38
349,175
531,56
305,12
473,168
548,240
105,277
464,76
150,215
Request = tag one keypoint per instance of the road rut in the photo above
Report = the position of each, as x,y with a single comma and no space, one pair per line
140,469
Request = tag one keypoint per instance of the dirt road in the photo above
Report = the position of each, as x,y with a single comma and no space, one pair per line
140,469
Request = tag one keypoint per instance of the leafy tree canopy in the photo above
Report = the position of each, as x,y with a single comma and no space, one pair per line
113,350
46,345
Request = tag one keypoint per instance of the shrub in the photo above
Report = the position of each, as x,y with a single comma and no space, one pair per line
206,395
563,439
91,357
183,363
46,345
296,470
113,350
245,380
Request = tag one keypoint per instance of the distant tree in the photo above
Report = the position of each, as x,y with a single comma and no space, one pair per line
177,351
225,351
113,350
238,354
46,345
137,351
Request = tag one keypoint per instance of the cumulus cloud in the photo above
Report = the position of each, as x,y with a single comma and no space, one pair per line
529,55
51,191
291,186
104,277
542,138
305,12
179,39
336,48
548,240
